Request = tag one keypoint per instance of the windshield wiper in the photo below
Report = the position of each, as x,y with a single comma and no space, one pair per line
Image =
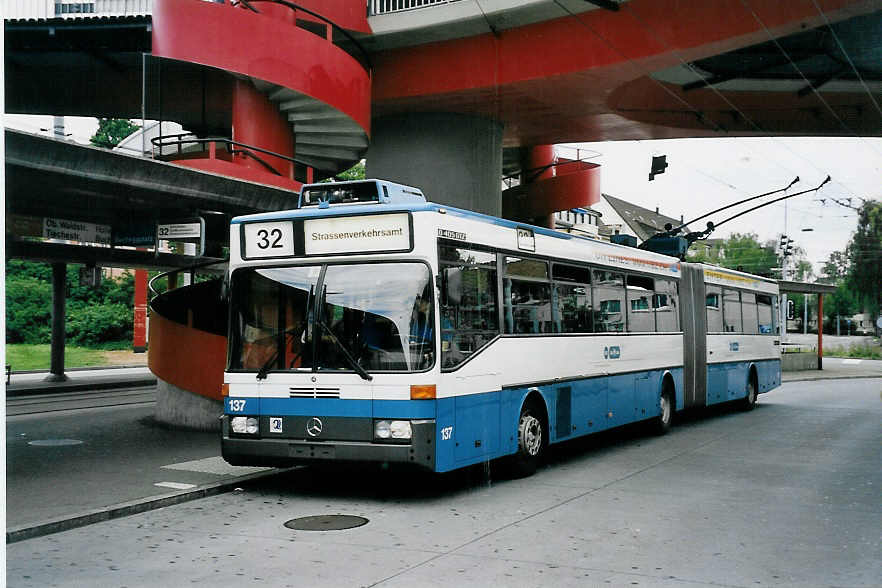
265,368
352,361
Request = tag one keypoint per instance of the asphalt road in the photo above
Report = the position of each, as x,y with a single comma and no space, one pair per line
786,495
72,453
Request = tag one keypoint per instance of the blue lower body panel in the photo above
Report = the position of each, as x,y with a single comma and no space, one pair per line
479,427
728,381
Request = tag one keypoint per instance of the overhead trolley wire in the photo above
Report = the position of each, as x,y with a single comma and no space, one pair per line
629,10
847,57
697,112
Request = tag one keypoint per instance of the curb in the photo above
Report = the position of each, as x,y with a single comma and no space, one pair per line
125,509
37,389
832,377
86,368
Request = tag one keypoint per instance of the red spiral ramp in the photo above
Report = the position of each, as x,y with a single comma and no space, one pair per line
297,93
299,105
550,184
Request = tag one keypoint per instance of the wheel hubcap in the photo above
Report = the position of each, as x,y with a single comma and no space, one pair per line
532,434
665,405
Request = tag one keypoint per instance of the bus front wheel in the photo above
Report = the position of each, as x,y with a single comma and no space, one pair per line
531,441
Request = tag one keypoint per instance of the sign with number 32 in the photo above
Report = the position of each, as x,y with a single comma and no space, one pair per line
275,239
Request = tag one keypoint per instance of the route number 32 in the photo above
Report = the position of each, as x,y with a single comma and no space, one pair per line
271,239
274,239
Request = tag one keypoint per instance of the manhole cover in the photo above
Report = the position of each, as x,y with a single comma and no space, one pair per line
54,442
326,523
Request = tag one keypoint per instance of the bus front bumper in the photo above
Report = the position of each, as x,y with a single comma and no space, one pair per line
284,452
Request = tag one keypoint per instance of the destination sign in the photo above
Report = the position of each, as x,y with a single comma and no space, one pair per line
357,234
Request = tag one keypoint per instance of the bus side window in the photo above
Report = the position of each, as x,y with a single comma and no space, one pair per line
641,319
749,313
732,311
664,304
469,307
714,314
571,299
765,316
609,294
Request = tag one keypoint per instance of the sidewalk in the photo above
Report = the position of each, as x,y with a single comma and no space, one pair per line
27,383
837,368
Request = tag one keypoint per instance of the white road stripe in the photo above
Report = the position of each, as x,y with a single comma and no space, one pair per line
851,361
214,465
175,485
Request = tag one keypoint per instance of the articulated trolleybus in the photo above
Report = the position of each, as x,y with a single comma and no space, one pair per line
371,325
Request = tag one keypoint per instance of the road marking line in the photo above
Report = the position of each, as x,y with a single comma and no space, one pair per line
175,485
851,361
214,465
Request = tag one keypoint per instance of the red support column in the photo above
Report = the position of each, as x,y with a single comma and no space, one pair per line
139,339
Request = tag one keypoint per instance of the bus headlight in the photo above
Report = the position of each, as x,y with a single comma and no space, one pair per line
392,430
244,425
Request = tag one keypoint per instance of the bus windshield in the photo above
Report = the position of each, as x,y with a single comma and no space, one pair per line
354,317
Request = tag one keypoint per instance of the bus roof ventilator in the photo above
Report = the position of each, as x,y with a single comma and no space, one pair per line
325,195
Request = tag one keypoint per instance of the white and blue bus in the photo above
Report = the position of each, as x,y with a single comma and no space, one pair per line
371,325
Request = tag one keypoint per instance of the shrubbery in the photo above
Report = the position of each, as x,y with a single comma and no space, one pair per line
95,316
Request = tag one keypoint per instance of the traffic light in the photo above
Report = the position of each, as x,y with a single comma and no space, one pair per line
659,163
786,246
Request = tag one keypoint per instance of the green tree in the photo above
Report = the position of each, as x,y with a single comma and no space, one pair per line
94,315
865,257
111,131
743,252
356,172
835,269
842,303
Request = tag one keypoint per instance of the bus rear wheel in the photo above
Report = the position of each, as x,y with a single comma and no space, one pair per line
749,401
662,423
531,442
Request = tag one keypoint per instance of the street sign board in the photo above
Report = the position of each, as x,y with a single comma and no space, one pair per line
82,232
187,230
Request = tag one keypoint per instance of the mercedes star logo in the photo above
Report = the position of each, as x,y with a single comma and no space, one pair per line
314,427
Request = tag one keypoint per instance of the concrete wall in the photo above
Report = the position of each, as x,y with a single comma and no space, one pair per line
184,409
454,159
795,362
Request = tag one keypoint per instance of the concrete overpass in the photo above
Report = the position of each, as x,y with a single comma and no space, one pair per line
448,95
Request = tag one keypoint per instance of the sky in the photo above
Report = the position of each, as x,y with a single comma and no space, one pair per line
705,174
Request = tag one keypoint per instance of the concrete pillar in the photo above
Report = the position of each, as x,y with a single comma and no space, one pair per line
821,330
454,159
59,294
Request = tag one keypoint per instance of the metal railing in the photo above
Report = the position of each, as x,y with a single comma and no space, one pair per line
360,55
180,140
378,7
154,281
535,172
